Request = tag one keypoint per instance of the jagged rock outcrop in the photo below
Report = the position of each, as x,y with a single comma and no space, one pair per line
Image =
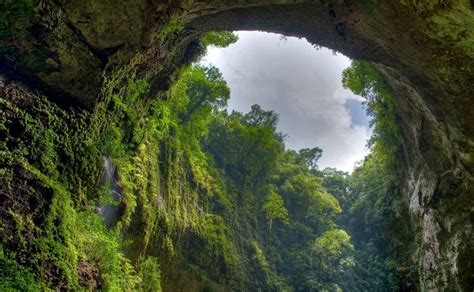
67,50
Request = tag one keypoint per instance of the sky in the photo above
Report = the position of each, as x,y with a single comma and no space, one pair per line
303,85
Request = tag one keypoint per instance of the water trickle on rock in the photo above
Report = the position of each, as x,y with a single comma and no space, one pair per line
111,212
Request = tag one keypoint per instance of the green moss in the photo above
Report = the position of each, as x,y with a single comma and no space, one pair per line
103,248
175,25
217,235
454,26
61,153
16,37
260,257
57,244
150,275
14,277
450,22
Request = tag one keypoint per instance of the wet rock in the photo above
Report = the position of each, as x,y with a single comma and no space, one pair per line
88,276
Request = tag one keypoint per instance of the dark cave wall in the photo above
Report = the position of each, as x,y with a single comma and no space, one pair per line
425,49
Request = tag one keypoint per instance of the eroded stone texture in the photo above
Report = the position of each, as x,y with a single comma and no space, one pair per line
440,192
424,48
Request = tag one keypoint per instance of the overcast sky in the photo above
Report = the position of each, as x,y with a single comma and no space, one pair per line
303,85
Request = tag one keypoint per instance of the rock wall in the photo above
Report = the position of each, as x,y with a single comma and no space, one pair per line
68,49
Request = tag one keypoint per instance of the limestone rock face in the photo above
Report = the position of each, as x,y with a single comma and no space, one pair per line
425,49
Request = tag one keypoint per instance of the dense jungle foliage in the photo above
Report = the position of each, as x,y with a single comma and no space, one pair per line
200,189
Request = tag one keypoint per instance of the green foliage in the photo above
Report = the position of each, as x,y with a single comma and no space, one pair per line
235,136
16,34
14,277
259,117
174,26
270,277
364,79
193,176
304,192
219,39
219,243
374,207
149,274
102,248
85,237
310,157
201,88
288,190
260,256
332,244
336,183
58,154
274,208
105,195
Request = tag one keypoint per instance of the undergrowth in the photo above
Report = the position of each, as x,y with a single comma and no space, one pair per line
51,168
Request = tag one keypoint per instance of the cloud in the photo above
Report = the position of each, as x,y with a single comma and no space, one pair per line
357,111
303,85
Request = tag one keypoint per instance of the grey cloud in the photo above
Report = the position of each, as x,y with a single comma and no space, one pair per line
303,85
358,112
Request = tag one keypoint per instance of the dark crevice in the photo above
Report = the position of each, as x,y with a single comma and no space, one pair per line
58,97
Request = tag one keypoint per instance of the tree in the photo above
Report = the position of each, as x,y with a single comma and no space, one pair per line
232,138
309,157
364,79
332,244
332,251
307,200
219,39
204,86
274,208
259,117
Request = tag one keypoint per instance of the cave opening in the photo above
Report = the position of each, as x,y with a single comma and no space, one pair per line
196,216
341,234
302,84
